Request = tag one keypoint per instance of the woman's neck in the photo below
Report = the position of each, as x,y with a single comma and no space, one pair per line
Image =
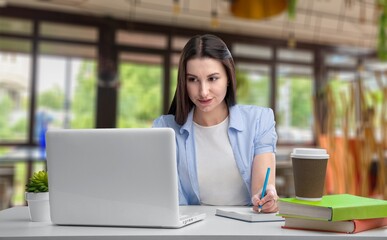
214,117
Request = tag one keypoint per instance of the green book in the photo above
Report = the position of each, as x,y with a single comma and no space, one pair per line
338,207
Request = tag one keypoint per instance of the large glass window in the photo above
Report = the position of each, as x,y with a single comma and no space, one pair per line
340,60
68,31
141,39
294,99
14,90
252,51
374,84
15,25
60,49
253,85
356,96
140,92
295,55
342,92
66,93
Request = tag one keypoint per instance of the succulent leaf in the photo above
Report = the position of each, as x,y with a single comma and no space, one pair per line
38,182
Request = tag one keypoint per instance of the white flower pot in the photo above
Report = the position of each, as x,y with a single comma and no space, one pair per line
39,206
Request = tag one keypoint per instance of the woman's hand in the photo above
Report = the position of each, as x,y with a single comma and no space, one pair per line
268,203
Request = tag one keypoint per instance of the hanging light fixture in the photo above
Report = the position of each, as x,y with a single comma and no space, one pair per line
176,7
257,9
214,19
214,15
292,43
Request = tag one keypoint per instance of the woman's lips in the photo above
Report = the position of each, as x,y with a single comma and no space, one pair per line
205,101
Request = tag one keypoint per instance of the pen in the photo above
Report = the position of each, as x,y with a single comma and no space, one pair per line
264,188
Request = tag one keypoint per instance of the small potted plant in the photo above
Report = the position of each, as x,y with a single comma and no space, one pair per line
37,197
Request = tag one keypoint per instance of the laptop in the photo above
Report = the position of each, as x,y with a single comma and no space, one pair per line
115,177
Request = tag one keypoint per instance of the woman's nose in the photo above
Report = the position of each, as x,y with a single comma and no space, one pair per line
204,89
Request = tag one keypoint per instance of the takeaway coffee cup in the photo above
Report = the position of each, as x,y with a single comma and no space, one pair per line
309,168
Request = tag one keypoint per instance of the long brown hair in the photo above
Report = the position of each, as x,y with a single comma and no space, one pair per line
201,46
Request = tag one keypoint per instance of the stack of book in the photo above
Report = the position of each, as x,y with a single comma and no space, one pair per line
335,213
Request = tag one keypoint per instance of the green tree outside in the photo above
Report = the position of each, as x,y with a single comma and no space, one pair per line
6,106
139,95
83,103
252,91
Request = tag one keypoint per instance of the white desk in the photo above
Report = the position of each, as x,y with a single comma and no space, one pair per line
15,224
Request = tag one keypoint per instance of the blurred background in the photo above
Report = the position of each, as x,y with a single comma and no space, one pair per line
319,64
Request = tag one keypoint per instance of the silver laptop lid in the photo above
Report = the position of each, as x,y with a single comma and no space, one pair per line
120,177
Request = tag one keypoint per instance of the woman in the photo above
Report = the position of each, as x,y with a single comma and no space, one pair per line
223,149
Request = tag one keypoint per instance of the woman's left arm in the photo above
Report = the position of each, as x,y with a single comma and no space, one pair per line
258,173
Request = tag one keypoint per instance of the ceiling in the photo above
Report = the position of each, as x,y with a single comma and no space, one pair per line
348,23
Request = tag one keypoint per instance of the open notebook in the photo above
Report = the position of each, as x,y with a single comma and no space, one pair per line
114,177
247,214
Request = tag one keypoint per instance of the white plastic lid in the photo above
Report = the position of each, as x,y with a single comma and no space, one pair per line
309,153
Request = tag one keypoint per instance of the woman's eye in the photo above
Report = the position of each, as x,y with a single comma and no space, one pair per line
191,79
213,78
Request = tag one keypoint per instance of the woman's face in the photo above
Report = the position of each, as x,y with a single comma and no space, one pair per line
206,84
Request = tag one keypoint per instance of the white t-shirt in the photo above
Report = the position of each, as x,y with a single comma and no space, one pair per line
220,182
